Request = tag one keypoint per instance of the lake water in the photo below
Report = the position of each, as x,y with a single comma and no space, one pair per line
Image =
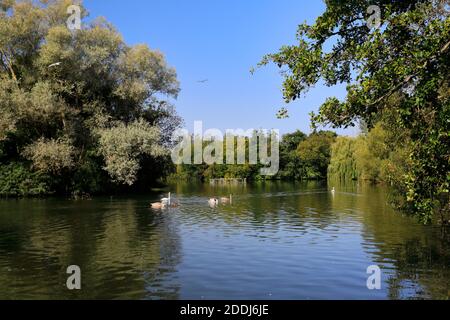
275,241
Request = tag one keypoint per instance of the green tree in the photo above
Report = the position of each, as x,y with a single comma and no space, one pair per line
343,164
81,105
122,146
408,56
371,150
315,152
291,166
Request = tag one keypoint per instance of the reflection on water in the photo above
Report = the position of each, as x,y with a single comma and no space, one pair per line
276,241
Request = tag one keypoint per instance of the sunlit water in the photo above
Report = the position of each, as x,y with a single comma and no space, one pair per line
275,241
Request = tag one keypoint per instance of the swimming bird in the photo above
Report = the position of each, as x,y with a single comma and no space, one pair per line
170,203
333,191
226,199
165,202
174,205
213,202
157,205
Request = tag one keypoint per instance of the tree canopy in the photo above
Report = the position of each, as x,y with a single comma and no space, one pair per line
398,70
74,100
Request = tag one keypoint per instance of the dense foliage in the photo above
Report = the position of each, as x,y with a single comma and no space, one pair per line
18,181
398,71
302,157
377,156
79,107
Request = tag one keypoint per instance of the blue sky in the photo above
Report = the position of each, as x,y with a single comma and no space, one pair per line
220,40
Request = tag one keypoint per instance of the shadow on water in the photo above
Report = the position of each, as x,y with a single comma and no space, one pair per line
415,258
119,245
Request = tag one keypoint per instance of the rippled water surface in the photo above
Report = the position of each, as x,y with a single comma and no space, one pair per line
275,241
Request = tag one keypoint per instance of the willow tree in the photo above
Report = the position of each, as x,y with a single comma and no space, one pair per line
343,165
407,55
77,104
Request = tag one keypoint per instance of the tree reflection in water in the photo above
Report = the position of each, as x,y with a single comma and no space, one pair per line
277,240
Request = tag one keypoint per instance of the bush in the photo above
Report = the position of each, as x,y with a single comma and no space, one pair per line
17,180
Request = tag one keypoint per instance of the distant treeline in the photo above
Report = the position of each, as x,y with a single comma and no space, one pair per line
302,157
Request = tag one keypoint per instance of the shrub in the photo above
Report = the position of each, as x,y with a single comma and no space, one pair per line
17,180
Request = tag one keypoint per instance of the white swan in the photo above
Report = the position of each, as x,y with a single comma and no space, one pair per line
157,205
213,202
166,200
162,204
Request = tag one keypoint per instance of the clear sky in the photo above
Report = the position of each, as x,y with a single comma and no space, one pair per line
220,40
